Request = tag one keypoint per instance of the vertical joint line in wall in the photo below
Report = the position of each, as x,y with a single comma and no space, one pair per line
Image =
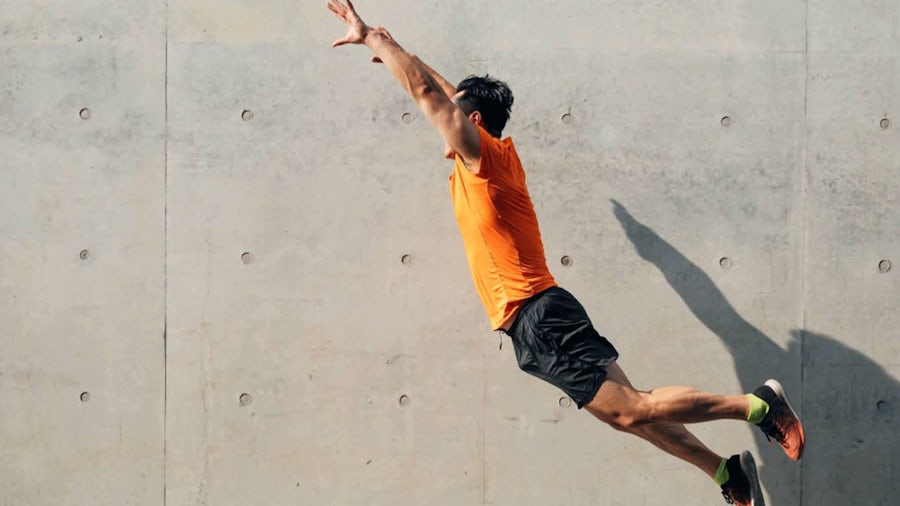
165,253
804,182
804,185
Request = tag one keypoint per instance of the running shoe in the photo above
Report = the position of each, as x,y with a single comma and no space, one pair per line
781,422
742,487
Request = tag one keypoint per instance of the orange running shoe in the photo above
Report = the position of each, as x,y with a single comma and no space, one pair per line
742,487
781,422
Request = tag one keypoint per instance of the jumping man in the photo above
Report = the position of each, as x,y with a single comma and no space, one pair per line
552,335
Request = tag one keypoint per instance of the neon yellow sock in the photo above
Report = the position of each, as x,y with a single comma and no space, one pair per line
758,409
722,473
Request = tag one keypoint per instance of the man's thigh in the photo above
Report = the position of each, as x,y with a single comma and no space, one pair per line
616,399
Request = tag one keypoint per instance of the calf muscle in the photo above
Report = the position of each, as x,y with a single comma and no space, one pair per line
620,405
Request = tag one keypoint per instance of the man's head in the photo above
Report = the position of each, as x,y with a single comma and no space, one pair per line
490,97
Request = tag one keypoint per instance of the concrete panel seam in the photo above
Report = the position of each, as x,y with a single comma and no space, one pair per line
165,255
804,247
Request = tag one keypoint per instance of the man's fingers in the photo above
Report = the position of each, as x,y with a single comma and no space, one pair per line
338,10
342,7
348,16
341,42
352,10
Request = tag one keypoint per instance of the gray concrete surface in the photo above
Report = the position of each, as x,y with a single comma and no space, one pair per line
203,212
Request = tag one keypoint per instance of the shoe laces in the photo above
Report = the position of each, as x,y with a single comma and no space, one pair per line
733,494
772,430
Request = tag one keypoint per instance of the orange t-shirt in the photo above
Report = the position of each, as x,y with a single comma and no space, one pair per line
499,229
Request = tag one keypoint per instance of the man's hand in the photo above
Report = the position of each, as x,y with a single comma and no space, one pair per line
357,30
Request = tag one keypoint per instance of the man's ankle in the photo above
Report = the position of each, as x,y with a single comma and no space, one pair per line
758,409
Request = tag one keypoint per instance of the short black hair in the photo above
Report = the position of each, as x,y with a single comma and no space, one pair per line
489,96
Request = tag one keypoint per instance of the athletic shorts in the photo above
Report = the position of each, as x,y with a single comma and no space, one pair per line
556,342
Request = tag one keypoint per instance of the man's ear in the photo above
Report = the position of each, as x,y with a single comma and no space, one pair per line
476,118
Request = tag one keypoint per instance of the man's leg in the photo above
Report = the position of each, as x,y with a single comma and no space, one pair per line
736,476
672,438
620,405
677,441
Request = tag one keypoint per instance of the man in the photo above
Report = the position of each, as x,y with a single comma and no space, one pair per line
551,333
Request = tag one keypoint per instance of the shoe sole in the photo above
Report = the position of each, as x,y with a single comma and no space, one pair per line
748,465
779,391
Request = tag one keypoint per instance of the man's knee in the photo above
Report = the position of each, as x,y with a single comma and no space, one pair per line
621,406
629,418
629,422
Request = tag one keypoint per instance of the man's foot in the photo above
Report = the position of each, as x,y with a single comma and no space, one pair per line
742,487
781,422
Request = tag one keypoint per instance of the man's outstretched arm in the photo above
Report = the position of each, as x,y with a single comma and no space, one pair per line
449,89
447,86
428,93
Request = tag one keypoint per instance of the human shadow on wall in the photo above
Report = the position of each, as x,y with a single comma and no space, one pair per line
849,402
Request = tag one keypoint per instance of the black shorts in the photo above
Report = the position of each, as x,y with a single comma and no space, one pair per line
555,341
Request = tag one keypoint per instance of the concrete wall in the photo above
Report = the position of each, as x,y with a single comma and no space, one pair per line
231,274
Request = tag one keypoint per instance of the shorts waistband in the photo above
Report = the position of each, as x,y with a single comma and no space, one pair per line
528,303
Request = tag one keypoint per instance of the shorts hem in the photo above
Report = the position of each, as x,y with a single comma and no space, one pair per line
597,384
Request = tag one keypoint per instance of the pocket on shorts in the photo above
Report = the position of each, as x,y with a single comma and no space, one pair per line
526,359
530,352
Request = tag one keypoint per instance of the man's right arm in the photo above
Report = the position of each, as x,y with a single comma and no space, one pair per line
448,88
445,85
430,94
